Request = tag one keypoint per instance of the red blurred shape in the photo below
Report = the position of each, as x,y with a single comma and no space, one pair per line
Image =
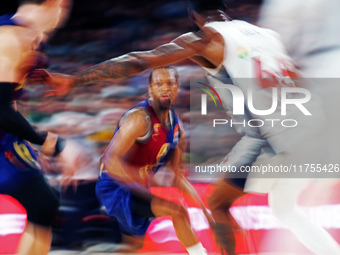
13,221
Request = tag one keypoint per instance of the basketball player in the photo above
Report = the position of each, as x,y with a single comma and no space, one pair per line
314,44
216,47
146,138
207,49
20,172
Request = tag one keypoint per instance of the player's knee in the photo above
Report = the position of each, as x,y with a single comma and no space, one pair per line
213,202
138,246
218,204
180,212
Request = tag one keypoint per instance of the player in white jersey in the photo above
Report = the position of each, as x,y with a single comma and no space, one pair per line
244,153
246,52
271,65
309,31
314,45
283,193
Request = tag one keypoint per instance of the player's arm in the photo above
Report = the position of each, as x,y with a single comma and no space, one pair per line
11,121
180,180
129,64
136,62
10,49
182,143
182,183
135,125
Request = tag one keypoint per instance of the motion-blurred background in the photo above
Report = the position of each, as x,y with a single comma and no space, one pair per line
96,31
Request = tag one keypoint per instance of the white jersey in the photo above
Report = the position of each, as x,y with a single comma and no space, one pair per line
247,44
244,45
309,31
245,54
256,61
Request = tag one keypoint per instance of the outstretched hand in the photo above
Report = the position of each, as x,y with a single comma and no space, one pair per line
60,84
72,160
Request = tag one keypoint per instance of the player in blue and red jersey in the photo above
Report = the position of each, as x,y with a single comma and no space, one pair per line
146,139
20,173
216,48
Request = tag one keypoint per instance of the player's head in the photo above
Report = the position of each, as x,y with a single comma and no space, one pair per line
43,15
203,11
163,86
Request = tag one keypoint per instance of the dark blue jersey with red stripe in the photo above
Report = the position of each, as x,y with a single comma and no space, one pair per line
154,152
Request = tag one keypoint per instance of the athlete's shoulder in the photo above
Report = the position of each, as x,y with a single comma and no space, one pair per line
8,37
133,114
215,26
188,38
17,39
10,57
217,30
196,40
137,117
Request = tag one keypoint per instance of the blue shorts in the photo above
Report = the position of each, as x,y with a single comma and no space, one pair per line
117,199
18,164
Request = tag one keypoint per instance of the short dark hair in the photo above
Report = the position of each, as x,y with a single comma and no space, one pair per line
21,2
164,67
206,5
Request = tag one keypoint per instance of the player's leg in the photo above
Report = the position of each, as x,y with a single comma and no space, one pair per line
283,202
244,153
219,203
132,206
129,205
140,208
35,240
181,221
41,205
21,179
131,244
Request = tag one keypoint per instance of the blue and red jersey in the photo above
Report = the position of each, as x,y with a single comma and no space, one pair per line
153,153
18,162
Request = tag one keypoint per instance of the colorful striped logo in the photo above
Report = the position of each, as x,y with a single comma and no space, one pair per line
204,97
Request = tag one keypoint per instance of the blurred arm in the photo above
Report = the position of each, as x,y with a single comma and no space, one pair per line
184,185
134,63
11,121
181,181
136,124
208,44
